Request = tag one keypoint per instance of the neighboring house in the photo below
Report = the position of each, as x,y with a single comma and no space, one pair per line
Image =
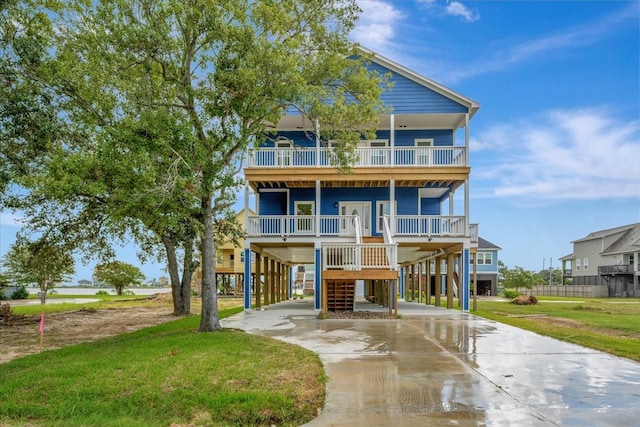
406,200
607,257
486,259
85,282
230,269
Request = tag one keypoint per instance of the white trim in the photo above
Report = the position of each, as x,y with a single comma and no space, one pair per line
380,229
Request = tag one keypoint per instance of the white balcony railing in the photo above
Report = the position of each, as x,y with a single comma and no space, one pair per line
344,225
300,225
430,225
303,157
359,256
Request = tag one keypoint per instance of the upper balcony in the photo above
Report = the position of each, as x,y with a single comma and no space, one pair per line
302,167
376,157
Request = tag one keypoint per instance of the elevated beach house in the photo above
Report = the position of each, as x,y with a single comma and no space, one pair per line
366,233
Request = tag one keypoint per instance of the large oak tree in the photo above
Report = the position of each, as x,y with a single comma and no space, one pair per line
161,99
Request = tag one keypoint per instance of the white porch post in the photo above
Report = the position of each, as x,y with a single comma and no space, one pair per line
451,202
392,138
317,213
246,205
317,143
466,182
392,205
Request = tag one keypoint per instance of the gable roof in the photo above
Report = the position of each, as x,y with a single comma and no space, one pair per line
607,232
472,105
485,244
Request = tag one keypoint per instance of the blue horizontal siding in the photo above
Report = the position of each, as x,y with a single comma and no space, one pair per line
273,203
409,97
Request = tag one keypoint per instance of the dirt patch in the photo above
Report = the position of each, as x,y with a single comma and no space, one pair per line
21,336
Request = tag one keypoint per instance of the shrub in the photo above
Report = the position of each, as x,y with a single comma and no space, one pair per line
20,293
510,293
102,292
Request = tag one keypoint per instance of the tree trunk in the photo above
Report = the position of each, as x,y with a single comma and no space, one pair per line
181,302
209,321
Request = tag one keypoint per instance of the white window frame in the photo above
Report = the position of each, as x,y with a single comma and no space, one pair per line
376,157
485,258
380,213
304,224
422,156
585,264
283,157
577,264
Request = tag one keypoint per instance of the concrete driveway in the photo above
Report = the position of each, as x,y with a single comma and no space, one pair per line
441,367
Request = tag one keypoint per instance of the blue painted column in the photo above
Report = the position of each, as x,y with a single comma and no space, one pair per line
393,293
247,279
318,279
464,269
403,273
290,282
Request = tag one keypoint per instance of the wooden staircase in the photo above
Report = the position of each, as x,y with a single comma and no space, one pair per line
341,295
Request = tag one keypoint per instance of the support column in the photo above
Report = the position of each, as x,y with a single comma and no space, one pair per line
475,282
272,282
427,267
449,281
403,277
290,277
438,281
420,283
247,282
267,281
464,273
258,284
317,207
319,283
279,282
392,204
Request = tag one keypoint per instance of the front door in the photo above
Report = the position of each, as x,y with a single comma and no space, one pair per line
363,210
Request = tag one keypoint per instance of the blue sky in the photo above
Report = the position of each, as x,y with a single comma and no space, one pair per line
556,143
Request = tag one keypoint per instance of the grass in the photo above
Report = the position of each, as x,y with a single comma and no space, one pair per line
609,325
165,375
105,302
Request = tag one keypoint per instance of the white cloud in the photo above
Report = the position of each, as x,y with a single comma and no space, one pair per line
375,29
450,7
9,219
562,154
456,8
573,37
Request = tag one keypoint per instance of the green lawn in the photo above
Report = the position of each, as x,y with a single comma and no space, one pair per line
163,375
610,325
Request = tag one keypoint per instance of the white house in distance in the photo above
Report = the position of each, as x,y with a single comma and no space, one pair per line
406,201
606,257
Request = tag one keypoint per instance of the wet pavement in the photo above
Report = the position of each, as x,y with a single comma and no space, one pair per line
441,367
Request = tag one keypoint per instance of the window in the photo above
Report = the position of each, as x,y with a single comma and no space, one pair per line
377,152
585,263
578,264
383,208
304,213
283,156
242,257
484,258
422,154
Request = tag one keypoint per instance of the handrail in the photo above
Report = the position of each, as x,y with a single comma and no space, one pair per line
359,256
357,226
302,157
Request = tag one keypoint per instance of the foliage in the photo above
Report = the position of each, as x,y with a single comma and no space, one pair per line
148,108
549,277
102,292
20,293
517,277
119,275
38,262
124,378
510,293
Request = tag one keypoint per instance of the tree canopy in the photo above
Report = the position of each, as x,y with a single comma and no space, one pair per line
149,107
38,262
119,274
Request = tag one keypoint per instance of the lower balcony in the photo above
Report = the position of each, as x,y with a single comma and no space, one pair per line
609,270
343,225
